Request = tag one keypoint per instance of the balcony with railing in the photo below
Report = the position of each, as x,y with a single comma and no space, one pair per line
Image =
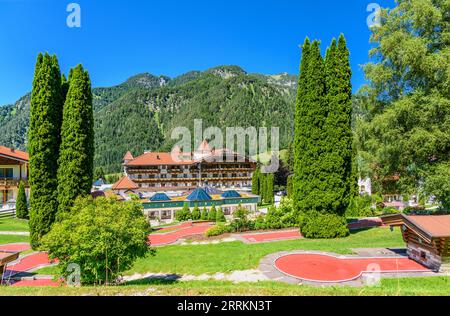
12,182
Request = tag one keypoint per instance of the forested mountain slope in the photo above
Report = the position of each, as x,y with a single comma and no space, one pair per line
140,113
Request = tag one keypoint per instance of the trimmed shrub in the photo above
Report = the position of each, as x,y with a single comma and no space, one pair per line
220,217
196,214
323,225
204,215
217,230
184,214
212,214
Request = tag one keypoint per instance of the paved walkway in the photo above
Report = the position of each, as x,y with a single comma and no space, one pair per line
320,268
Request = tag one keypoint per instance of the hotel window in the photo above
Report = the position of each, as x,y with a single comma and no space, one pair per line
6,173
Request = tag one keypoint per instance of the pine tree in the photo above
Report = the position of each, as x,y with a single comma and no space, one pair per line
75,171
43,146
21,203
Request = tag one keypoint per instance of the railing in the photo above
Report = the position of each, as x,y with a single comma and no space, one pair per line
7,212
12,182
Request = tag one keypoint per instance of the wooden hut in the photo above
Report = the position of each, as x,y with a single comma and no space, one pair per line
427,238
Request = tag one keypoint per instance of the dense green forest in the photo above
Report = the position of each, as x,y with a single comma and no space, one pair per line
140,113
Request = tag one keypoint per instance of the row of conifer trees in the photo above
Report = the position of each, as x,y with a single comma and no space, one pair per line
60,143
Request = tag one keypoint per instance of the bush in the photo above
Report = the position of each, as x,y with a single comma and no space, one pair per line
196,214
212,214
217,230
103,236
320,225
240,222
390,210
273,218
204,215
360,206
259,223
184,214
220,217
21,203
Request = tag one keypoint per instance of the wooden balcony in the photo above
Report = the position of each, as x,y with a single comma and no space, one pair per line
12,183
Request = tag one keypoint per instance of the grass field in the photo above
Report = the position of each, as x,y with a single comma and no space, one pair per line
227,257
388,287
9,239
13,225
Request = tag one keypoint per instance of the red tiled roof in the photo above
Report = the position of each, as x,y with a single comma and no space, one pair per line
128,156
156,159
14,153
125,184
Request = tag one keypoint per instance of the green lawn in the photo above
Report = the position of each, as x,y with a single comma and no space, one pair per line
9,239
13,225
227,257
390,287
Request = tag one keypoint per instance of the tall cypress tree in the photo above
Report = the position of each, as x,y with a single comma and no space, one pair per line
339,144
21,203
255,181
309,142
43,146
76,158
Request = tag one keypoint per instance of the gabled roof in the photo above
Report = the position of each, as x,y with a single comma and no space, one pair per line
160,197
156,159
128,156
125,184
14,154
431,226
199,195
231,194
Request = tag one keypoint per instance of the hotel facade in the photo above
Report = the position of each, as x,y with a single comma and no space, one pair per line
13,170
156,172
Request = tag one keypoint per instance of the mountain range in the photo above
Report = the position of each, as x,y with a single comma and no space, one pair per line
140,113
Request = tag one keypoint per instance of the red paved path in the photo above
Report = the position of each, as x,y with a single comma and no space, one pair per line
325,268
19,247
171,237
27,263
272,236
37,283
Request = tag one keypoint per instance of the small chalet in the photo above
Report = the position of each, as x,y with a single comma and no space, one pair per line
427,238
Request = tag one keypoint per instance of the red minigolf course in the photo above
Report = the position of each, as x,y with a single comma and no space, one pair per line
327,268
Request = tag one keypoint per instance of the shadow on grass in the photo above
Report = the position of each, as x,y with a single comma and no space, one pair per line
166,279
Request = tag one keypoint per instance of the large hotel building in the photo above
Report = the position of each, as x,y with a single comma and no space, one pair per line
159,171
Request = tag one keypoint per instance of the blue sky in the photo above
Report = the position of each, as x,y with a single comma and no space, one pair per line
118,39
